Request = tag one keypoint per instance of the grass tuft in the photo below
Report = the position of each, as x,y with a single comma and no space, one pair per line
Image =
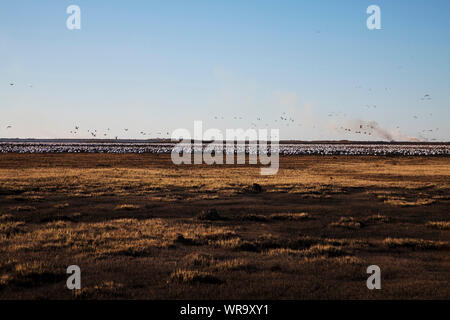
193,276
418,244
127,207
441,225
347,222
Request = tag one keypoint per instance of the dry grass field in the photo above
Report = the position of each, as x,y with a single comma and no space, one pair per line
140,227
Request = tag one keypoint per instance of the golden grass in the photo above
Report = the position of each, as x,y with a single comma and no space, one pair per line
118,237
346,260
299,179
202,260
325,250
127,207
199,260
277,217
347,222
31,274
377,218
318,250
290,216
61,205
233,265
105,288
9,229
441,225
193,276
415,243
284,251
210,251
401,202
28,198
27,268
234,243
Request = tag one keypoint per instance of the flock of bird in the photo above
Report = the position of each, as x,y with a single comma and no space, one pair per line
282,120
282,149
106,134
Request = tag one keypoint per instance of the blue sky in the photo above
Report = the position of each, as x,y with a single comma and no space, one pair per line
155,66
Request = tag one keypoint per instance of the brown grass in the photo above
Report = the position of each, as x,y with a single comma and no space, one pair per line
9,229
22,208
441,225
290,216
61,205
104,289
127,207
132,225
193,276
415,244
347,222
399,202
199,260
6,217
315,251
234,265
276,217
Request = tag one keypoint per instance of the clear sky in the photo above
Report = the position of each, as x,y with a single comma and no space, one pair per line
155,66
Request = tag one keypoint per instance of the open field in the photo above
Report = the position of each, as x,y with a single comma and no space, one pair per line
140,227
